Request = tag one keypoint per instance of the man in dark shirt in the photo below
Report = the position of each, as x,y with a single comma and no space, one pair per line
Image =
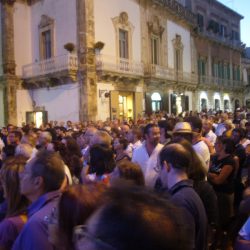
175,160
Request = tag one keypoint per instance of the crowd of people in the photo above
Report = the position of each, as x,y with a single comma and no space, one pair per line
161,182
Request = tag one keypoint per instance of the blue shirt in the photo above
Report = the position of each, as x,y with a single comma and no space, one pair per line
184,195
34,235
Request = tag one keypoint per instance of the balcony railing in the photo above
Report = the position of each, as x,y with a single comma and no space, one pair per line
51,65
222,39
162,72
158,71
216,81
119,65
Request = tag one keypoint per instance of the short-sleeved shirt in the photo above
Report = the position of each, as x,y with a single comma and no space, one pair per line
35,232
216,167
9,230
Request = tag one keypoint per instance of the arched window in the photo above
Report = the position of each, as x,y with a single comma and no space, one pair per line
156,102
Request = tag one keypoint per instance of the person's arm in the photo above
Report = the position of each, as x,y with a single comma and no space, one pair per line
221,178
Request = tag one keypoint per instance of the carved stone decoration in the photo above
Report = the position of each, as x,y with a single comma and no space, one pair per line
123,18
155,27
177,43
45,21
10,2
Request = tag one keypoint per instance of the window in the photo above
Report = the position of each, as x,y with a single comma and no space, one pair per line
215,69
46,41
178,53
201,67
220,70
200,21
235,35
123,39
177,59
123,44
222,30
236,73
46,44
155,50
228,72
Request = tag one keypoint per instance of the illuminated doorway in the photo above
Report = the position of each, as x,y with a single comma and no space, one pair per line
126,102
156,102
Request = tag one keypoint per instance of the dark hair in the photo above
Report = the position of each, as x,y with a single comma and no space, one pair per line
228,143
9,173
196,171
71,156
101,160
135,218
176,155
48,165
240,131
148,127
17,134
124,142
131,171
76,204
138,132
195,122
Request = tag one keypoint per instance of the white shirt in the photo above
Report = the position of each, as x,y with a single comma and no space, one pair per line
137,145
202,150
148,164
220,129
211,136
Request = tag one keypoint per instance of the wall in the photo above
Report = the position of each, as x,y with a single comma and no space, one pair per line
64,14
174,29
1,108
104,28
22,36
103,103
62,103
1,56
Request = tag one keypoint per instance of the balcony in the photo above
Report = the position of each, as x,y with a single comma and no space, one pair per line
216,82
236,44
118,66
56,70
165,73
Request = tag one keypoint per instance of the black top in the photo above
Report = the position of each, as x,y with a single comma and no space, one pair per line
216,167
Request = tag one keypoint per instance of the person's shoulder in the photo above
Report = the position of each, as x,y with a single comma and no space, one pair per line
139,149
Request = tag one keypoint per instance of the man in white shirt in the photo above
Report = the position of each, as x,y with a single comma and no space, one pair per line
208,133
198,143
147,154
221,126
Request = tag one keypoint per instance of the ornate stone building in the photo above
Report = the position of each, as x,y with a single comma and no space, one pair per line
246,75
82,60
219,48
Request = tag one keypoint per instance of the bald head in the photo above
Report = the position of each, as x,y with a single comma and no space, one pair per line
176,155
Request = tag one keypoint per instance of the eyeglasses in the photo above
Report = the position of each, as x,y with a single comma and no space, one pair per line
81,233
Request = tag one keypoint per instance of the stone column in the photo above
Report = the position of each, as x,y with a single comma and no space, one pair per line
86,58
9,81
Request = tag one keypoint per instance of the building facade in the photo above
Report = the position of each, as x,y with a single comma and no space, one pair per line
219,49
82,60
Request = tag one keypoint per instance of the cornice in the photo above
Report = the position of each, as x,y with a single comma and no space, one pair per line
10,2
177,9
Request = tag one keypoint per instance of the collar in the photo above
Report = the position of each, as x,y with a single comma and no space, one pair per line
179,185
42,201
